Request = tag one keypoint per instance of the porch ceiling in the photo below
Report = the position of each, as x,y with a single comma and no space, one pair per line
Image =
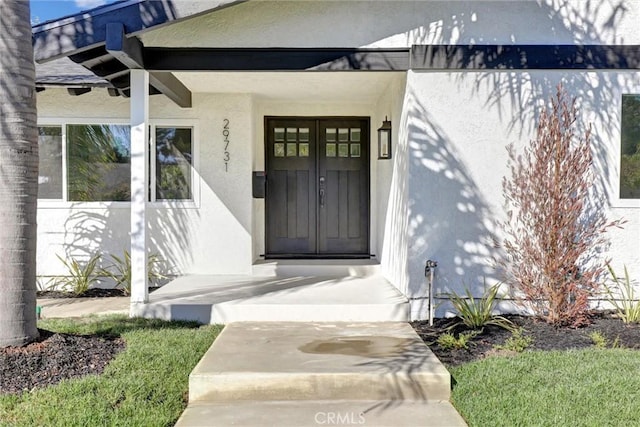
303,87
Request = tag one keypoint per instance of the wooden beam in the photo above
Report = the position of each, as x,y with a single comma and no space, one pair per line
172,88
525,57
130,52
109,68
275,59
77,91
88,29
127,50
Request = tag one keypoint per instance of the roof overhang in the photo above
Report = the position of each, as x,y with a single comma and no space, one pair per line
118,24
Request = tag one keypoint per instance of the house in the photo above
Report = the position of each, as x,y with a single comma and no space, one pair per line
218,133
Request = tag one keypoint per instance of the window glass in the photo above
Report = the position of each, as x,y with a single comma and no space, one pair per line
50,162
98,163
174,156
630,148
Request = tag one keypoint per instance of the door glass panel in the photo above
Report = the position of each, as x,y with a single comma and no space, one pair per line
303,149
331,134
292,150
343,134
278,149
278,133
343,150
331,150
291,134
303,134
355,150
355,134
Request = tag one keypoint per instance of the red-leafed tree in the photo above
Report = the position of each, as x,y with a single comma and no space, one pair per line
555,227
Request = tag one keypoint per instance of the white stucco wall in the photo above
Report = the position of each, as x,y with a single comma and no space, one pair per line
458,125
438,198
210,236
403,23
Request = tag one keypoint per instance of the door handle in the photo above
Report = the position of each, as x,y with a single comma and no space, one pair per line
322,191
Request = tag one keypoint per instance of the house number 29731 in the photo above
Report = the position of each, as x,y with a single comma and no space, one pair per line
225,134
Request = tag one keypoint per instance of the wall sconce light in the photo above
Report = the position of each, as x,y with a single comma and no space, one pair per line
384,140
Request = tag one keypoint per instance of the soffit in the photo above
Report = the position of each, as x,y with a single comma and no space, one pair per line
302,87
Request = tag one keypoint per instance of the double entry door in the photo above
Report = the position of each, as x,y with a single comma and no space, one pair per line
317,197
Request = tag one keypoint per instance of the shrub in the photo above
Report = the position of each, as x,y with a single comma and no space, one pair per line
120,270
598,339
448,341
555,222
476,313
80,277
623,297
517,342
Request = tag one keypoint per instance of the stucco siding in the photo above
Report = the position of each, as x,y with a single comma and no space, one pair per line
212,235
403,23
458,127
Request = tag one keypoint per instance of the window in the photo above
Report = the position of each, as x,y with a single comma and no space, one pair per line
173,163
630,148
92,163
98,163
50,163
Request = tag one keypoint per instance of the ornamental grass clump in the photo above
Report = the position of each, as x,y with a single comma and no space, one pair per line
621,294
80,277
476,313
555,219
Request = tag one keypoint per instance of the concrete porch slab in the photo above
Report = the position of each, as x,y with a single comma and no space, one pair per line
226,299
319,361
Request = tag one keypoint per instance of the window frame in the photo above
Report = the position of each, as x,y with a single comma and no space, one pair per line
180,123
63,153
195,183
616,200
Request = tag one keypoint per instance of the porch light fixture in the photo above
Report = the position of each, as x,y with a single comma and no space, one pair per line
384,140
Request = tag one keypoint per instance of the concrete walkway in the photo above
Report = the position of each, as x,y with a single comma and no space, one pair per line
76,307
314,374
306,374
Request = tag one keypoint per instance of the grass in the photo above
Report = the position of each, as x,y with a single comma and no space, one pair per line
145,385
590,387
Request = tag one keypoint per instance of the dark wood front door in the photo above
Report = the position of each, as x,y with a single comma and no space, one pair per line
317,200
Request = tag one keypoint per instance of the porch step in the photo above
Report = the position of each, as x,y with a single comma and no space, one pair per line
319,267
226,299
319,361
314,413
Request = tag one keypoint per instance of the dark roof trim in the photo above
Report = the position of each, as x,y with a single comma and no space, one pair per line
275,59
129,51
525,57
86,30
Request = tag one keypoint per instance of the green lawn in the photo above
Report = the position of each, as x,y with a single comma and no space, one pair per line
146,385
559,388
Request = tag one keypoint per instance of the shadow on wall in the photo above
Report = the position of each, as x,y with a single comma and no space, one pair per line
448,219
448,216
107,231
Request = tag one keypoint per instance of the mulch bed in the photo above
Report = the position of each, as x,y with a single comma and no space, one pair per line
91,293
545,336
53,358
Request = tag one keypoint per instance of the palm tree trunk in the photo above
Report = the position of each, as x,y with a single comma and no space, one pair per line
18,176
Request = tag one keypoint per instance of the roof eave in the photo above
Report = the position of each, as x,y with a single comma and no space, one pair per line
86,30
